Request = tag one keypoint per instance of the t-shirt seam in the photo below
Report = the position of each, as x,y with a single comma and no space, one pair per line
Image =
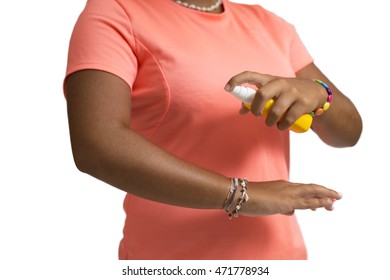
131,30
139,42
167,92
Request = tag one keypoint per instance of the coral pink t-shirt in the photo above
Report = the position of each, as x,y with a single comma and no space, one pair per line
177,62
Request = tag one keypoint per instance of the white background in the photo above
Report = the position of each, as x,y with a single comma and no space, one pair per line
56,223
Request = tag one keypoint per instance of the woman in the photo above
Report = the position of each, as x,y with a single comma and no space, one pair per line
149,113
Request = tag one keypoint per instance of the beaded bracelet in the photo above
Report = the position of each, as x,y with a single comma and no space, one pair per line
231,194
244,198
321,110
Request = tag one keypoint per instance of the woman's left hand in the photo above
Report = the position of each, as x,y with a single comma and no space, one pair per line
293,96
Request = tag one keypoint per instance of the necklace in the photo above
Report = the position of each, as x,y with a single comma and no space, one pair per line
216,5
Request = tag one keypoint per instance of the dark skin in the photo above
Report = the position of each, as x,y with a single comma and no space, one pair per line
340,126
103,146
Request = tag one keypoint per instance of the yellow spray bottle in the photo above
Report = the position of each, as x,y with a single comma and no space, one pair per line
246,95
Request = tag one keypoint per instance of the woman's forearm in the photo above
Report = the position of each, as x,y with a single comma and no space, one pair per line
341,125
127,161
103,146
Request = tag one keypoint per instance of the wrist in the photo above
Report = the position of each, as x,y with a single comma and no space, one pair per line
236,197
329,98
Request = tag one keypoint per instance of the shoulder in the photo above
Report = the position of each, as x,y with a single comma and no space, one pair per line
104,13
105,7
130,8
257,13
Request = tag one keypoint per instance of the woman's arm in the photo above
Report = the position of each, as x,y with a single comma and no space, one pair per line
340,126
105,147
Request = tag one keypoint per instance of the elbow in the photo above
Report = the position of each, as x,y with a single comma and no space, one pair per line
351,137
340,139
342,134
354,140
349,142
82,163
356,129
86,160
356,133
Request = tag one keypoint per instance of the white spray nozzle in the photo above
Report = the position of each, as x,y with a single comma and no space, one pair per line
245,94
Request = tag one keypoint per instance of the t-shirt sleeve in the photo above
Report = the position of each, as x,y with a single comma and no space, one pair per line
299,55
102,39
287,38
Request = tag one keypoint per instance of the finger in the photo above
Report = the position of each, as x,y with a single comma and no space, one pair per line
331,208
248,77
278,112
259,101
289,213
314,190
326,203
311,196
292,114
243,109
314,203
265,93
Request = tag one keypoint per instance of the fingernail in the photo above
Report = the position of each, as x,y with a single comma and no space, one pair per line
340,194
227,87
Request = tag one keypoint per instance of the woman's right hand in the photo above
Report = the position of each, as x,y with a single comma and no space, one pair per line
283,197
